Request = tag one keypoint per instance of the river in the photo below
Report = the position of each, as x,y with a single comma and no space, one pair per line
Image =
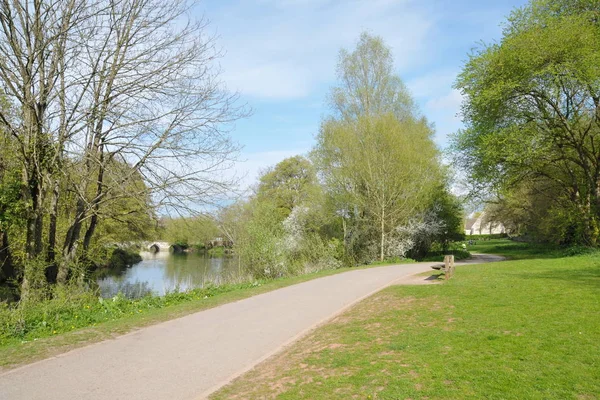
164,272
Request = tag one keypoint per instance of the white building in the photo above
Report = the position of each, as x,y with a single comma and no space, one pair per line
479,226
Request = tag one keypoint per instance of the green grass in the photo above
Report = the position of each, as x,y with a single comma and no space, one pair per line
520,329
520,250
53,327
392,261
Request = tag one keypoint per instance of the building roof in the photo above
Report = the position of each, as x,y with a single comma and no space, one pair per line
470,222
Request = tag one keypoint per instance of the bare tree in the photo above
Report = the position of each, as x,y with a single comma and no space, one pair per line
121,82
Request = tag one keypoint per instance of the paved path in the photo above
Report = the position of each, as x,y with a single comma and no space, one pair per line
189,357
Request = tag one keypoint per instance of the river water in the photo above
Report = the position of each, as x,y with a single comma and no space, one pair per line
166,272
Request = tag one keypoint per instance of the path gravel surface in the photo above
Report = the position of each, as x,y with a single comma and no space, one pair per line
192,356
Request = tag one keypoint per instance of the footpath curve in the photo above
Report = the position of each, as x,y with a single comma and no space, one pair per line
192,356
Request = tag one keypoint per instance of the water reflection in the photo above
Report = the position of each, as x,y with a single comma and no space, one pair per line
166,272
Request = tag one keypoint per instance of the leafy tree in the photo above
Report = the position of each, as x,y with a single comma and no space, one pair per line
532,110
196,230
11,208
448,208
534,209
259,244
290,183
367,83
231,219
375,154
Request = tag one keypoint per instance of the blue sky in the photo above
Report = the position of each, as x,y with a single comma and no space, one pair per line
281,56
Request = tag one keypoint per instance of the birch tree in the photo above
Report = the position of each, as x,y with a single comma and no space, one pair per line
385,170
375,153
367,85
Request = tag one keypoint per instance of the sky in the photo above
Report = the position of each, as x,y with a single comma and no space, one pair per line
281,56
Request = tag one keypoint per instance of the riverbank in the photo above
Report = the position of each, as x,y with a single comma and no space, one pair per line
190,357
68,322
525,328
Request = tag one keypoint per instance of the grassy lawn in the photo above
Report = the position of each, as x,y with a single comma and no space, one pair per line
520,250
520,329
78,329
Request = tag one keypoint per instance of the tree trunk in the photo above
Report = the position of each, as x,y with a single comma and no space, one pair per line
70,244
345,229
382,254
34,225
34,221
7,270
96,207
52,269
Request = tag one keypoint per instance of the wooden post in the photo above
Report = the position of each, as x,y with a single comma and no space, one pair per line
448,266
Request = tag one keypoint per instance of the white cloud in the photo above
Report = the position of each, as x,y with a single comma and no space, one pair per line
285,49
293,3
271,81
444,110
432,84
449,102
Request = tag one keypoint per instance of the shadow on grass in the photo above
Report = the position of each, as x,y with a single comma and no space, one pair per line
577,276
526,251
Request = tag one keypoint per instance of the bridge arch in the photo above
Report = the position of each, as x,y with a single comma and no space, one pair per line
175,248
155,247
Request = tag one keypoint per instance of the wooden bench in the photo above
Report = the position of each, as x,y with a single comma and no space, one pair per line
447,267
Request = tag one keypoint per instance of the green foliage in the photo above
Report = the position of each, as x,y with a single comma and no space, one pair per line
290,183
380,171
71,308
260,248
129,215
486,236
122,258
367,83
279,231
574,251
11,205
216,251
449,209
190,230
531,106
375,154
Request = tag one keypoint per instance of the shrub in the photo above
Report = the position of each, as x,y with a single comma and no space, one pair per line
579,251
71,308
122,258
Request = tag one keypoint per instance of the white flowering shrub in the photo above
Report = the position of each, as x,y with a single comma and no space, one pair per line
272,247
417,232
305,250
294,227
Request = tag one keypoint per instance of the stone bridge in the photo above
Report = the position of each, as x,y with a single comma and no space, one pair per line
155,247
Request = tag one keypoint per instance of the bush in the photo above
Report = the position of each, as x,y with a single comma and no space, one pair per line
486,237
218,251
579,251
122,258
260,249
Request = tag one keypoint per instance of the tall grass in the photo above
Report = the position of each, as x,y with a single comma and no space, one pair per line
71,309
